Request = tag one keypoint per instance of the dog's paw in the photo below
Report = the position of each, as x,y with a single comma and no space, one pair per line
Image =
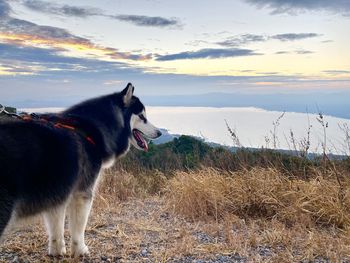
57,248
78,250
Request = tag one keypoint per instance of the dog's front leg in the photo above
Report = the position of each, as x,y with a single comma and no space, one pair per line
79,210
54,221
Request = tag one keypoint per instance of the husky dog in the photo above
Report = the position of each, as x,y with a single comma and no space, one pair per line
51,164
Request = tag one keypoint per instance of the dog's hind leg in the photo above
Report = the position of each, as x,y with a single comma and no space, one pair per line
79,210
54,221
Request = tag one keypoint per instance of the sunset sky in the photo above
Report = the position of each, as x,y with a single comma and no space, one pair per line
55,50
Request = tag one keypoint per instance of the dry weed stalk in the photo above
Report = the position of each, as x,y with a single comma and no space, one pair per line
233,135
275,124
293,140
324,125
305,143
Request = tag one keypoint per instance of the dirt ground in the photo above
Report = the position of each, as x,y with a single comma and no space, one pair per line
143,230
133,231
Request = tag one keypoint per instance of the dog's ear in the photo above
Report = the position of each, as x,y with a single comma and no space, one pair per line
127,94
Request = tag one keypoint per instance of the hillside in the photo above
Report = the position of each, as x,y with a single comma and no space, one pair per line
187,153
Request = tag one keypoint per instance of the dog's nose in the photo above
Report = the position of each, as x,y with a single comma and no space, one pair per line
159,133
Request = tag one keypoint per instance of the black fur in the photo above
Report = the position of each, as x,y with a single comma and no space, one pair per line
40,164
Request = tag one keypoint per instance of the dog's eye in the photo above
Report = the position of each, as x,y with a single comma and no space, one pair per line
142,117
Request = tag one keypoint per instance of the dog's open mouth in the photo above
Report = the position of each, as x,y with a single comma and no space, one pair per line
141,141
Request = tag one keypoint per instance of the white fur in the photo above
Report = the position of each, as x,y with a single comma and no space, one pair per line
54,222
79,210
148,129
78,206
108,163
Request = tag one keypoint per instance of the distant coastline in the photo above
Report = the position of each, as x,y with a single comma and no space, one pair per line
332,104
252,125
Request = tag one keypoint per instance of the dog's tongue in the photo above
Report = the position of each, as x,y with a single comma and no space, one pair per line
140,140
145,144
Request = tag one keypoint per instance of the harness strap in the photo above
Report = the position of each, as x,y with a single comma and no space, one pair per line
6,113
57,125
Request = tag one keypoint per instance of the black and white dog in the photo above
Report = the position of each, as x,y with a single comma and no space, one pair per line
51,164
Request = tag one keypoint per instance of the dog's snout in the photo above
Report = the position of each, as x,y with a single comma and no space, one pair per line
159,133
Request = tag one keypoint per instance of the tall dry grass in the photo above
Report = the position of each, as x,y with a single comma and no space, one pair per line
122,185
295,219
256,193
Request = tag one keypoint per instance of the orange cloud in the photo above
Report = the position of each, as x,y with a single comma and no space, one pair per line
4,71
16,70
80,45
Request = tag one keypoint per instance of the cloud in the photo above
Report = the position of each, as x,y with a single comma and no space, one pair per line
303,52
298,52
242,40
154,21
336,72
208,53
29,54
64,10
15,69
24,33
4,8
294,36
13,26
36,37
83,12
31,31
282,52
21,60
246,39
292,6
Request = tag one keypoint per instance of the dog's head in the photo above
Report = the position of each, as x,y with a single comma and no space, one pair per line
141,129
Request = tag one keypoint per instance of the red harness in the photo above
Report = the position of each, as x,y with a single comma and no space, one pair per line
60,124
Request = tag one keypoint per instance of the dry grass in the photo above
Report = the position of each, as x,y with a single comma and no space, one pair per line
285,244
249,216
122,185
127,229
293,220
260,193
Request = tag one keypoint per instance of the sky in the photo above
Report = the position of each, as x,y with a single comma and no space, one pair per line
56,52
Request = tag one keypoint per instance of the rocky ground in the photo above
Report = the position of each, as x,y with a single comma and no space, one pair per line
145,231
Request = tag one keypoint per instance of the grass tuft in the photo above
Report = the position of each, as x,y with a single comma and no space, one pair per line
259,193
122,185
